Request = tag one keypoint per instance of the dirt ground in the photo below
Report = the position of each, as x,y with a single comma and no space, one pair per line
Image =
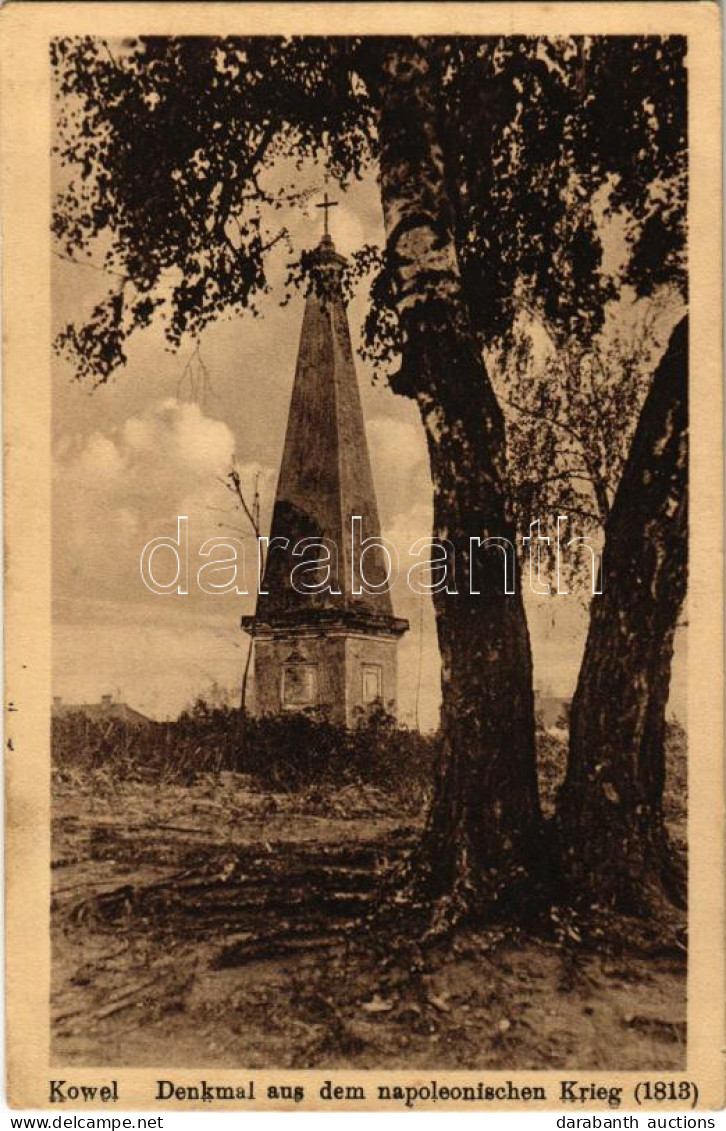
182,934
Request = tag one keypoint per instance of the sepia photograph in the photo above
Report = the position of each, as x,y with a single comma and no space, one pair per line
372,425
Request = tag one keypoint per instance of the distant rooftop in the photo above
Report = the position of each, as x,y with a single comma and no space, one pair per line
106,708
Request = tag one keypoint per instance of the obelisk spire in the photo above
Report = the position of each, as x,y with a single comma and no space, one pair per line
325,476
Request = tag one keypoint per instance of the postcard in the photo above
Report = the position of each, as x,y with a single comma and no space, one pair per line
363,526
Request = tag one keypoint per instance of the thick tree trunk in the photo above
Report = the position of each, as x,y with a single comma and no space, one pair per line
483,838
610,816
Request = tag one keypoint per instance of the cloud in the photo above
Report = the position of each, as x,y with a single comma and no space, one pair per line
114,492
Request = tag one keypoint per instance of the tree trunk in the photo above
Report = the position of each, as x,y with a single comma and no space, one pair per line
610,818
483,837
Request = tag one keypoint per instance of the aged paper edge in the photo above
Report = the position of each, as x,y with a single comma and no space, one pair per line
25,29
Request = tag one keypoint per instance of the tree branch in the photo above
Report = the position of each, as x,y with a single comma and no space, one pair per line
547,419
93,266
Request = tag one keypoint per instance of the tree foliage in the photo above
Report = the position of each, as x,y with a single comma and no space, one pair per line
171,143
180,152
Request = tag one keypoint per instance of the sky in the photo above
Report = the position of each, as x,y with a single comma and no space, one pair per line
131,456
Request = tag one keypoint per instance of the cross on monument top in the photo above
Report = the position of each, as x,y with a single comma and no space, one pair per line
327,205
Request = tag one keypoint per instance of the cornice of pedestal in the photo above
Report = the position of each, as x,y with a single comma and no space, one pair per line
330,622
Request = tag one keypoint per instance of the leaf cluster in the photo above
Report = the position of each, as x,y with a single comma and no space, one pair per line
181,152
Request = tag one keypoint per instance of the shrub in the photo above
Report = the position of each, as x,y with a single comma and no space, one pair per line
282,753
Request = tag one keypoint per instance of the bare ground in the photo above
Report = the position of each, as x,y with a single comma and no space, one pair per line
212,925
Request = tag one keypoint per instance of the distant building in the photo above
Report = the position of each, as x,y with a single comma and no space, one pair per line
331,652
107,709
